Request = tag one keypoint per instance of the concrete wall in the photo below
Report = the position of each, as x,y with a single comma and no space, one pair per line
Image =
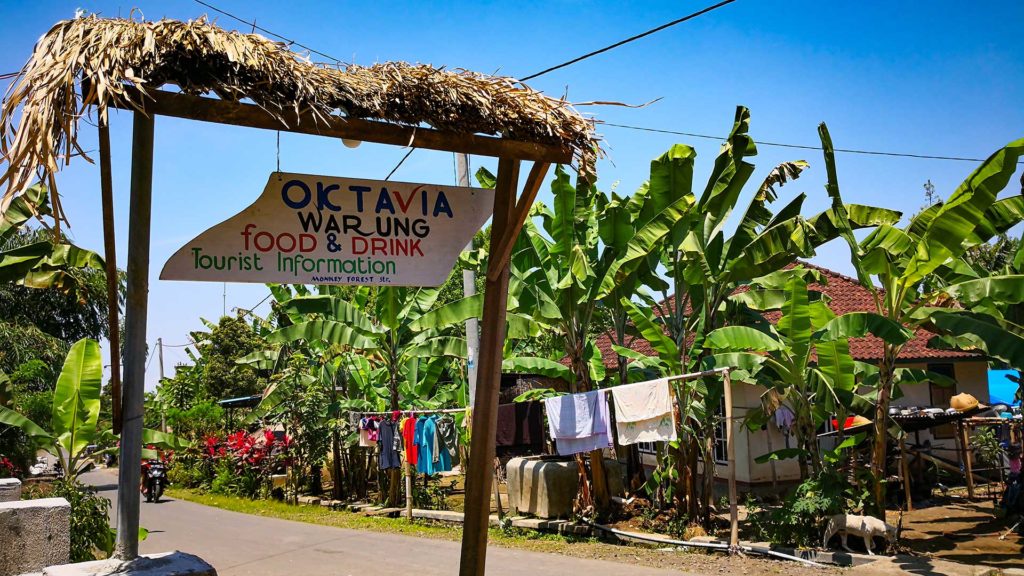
34,534
10,489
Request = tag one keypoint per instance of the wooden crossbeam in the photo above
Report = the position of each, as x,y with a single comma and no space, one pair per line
503,251
239,114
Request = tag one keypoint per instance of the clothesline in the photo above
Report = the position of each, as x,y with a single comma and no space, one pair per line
689,376
407,412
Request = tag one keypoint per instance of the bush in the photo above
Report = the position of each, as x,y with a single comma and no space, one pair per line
241,464
91,535
800,520
8,469
202,420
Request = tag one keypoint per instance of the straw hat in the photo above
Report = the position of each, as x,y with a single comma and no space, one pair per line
963,402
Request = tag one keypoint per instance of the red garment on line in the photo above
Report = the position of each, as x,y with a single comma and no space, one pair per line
408,436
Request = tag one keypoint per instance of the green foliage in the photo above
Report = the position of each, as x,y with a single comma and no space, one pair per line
916,272
91,535
801,518
986,445
199,421
74,413
433,496
221,376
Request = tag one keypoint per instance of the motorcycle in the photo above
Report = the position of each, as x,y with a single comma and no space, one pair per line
155,480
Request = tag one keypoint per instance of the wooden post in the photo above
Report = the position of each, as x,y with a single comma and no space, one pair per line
730,450
137,300
497,496
408,491
110,261
485,408
905,468
965,454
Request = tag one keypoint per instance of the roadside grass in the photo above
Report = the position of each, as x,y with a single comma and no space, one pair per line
510,538
694,562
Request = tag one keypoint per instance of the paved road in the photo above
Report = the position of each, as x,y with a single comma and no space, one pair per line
239,544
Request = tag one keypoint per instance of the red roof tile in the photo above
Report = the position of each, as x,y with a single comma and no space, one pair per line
846,295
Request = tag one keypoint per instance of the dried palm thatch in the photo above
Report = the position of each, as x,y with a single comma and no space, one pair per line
119,60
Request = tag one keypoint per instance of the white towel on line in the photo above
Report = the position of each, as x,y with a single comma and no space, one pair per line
644,412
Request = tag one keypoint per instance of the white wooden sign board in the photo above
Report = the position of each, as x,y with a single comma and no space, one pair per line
306,229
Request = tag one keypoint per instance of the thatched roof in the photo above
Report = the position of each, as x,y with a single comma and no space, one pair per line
120,60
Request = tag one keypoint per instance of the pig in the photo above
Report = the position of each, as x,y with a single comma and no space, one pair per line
867,527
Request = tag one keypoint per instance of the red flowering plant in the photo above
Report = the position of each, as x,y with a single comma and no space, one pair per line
8,469
242,463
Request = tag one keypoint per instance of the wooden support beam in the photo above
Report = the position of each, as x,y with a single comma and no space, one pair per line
730,452
136,309
238,114
110,260
503,251
485,408
965,453
905,472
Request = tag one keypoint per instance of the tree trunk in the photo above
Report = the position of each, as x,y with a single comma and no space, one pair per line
337,487
878,451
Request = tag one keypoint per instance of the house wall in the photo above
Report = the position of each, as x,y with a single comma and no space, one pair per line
971,377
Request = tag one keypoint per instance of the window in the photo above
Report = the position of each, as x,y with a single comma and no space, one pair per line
940,397
647,447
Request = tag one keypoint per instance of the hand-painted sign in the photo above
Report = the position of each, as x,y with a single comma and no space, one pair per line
308,229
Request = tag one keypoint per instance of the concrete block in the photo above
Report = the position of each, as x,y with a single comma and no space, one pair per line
309,501
163,564
542,488
615,472
10,489
34,534
556,526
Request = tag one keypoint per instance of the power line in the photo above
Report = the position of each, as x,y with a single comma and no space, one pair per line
258,304
797,146
399,165
179,345
269,32
627,40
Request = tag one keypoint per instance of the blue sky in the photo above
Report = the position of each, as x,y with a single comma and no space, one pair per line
942,78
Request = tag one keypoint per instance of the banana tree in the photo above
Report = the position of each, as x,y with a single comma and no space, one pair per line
404,358
42,263
558,269
75,413
914,273
705,268
804,359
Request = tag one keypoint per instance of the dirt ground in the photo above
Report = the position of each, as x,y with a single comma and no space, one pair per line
965,532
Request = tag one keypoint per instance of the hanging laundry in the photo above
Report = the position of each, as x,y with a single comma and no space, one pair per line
409,440
521,425
386,439
424,439
442,457
644,412
450,438
784,418
368,432
579,422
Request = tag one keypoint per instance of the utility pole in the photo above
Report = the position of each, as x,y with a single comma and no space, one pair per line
160,358
469,289
224,304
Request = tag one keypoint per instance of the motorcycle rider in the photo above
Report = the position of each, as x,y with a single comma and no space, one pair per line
147,462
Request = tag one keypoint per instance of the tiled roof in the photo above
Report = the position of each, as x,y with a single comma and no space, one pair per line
846,295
